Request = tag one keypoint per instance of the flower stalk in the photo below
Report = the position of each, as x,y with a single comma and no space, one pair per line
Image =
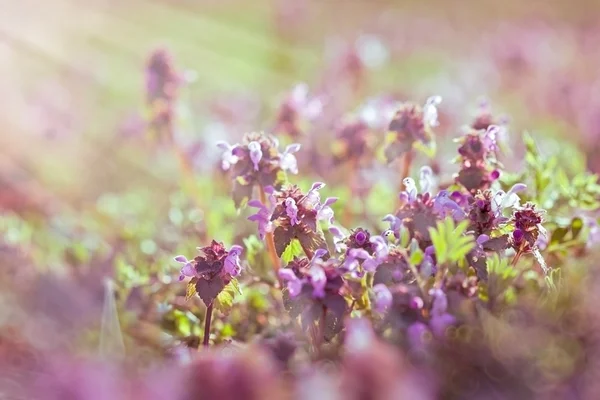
207,321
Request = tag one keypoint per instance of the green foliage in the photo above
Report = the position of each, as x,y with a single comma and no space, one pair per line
294,249
500,277
555,183
224,300
450,242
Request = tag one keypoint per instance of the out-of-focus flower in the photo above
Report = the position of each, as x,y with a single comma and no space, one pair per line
412,123
211,270
213,375
257,162
297,110
478,159
295,215
263,215
383,297
162,86
420,211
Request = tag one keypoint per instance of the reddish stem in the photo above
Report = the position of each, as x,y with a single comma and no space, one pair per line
207,320
270,240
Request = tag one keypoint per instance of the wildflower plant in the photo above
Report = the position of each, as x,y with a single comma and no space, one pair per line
482,273
257,163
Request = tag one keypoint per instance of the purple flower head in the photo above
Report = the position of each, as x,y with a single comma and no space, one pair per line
262,217
411,123
383,297
297,108
188,268
440,319
296,215
232,261
291,210
395,223
254,162
416,334
361,237
593,238
440,302
324,210
380,247
255,153
443,205
377,113
318,280
416,303
338,238
293,283
528,220
439,323
211,270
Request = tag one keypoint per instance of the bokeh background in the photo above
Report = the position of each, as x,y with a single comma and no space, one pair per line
73,84
86,193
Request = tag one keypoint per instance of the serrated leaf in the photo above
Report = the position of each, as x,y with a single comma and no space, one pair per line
191,289
449,243
282,238
294,249
224,300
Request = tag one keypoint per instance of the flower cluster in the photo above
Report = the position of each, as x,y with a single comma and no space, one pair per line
211,270
412,123
477,158
162,85
294,215
297,109
316,290
257,162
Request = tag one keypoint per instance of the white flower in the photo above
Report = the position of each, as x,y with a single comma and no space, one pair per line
227,158
430,113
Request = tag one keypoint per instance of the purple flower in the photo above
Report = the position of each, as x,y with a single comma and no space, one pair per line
444,205
593,238
291,210
383,297
361,237
440,323
440,319
188,269
255,153
232,261
416,303
338,238
416,334
262,217
318,280
293,283
324,210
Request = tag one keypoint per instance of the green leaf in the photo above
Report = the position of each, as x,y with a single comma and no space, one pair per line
450,242
191,289
416,257
224,300
294,249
